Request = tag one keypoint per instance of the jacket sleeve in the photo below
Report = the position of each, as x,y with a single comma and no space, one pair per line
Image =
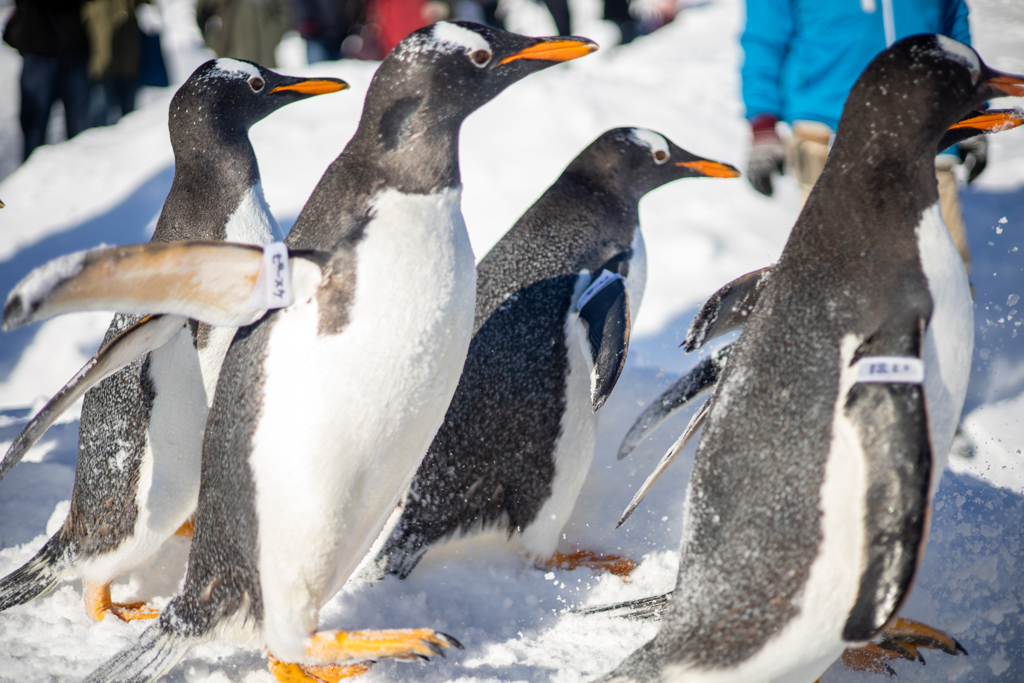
954,21
765,41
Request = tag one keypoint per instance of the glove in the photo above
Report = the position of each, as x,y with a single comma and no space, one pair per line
767,153
973,153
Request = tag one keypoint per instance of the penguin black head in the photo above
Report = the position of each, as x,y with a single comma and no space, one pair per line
440,74
636,161
228,96
919,87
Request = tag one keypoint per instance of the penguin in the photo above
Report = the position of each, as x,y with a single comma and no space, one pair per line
807,510
727,309
326,404
140,436
555,300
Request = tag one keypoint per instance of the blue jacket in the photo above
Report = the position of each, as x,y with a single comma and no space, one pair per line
803,56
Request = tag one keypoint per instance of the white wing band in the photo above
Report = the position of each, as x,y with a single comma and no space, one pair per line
274,284
600,282
890,369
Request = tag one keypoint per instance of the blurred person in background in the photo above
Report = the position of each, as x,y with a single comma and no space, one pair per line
244,29
51,37
801,57
334,29
114,59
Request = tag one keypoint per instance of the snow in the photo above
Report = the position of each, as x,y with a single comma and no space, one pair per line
107,185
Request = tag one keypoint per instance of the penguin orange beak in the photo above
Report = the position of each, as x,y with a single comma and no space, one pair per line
554,51
711,169
1008,85
320,86
993,121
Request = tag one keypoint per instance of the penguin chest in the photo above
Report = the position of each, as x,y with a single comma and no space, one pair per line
251,222
949,341
347,416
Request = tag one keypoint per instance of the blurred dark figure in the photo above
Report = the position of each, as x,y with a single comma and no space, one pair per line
114,60
244,29
52,41
334,29
560,13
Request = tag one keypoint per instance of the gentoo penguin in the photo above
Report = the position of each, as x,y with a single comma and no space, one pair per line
324,408
807,510
555,299
728,309
140,437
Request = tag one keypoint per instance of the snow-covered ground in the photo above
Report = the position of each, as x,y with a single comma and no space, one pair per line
108,184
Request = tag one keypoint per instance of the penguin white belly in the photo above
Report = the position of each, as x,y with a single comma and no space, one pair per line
574,450
347,418
168,487
949,341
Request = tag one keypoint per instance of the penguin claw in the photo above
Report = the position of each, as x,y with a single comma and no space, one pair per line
452,641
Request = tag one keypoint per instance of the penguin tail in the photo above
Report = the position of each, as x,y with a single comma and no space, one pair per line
643,608
159,648
38,576
401,553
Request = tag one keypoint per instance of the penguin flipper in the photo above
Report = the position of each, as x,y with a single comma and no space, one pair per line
727,309
696,422
687,388
891,423
979,122
148,334
212,282
605,319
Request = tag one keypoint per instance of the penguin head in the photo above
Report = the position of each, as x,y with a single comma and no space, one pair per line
230,95
634,161
441,73
919,87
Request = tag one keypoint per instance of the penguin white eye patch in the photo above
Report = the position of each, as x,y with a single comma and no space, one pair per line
890,370
273,287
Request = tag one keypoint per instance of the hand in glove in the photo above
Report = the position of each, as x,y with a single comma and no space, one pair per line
767,153
973,152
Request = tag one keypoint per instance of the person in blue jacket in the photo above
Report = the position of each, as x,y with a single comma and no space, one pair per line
801,57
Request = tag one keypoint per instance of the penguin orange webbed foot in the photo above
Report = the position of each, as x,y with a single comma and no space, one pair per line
332,647
906,636
287,672
901,640
98,605
187,529
613,564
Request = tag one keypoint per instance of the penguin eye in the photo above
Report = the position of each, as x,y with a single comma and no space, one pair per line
660,157
256,83
481,57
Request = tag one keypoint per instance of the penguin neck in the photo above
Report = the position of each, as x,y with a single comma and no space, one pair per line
213,171
399,146
414,148
879,177
612,194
